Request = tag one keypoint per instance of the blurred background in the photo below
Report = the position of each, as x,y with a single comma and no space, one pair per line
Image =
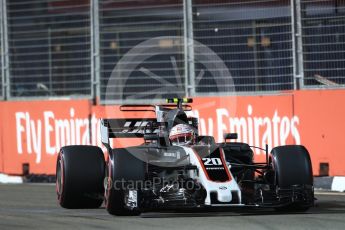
60,48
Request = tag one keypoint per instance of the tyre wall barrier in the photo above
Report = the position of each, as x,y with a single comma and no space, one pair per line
32,132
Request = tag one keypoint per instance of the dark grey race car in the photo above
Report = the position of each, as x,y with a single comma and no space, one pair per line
162,174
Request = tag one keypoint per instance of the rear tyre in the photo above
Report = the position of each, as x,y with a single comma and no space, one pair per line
79,177
124,172
293,169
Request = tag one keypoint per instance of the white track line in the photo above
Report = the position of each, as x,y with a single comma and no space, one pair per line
330,193
10,179
338,184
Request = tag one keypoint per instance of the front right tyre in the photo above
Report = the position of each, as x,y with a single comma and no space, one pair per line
293,176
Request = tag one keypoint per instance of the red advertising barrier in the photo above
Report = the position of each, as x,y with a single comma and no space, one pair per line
32,132
322,127
1,138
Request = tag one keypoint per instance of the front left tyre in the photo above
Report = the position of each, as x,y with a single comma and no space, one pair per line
124,172
79,177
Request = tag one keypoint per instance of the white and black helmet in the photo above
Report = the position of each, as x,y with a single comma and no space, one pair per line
182,134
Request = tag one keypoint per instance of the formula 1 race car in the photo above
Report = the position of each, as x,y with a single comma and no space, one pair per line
176,168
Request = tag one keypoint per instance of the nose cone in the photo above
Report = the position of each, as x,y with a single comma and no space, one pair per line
224,194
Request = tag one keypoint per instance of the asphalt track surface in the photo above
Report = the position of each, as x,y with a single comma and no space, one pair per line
34,206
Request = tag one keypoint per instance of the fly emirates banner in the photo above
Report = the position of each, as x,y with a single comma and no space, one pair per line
33,132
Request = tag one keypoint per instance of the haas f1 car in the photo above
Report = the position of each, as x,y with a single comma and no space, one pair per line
176,168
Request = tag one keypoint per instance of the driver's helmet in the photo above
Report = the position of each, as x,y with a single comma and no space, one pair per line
182,134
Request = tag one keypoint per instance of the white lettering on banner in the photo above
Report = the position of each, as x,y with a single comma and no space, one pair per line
221,126
267,136
239,125
20,129
48,129
284,130
37,139
257,131
250,126
275,121
62,133
56,133
257,124
33,133
86,135
46,135
94,125
72,127
28,134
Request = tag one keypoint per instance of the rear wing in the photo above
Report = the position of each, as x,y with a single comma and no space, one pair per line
151,108
127,128
133,128
139,127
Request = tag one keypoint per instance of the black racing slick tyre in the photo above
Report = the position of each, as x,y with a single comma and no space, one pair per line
294,176
80,173
124,172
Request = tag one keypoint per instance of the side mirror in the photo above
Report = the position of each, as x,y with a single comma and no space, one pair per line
230,136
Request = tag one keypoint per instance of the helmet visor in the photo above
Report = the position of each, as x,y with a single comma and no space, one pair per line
182,139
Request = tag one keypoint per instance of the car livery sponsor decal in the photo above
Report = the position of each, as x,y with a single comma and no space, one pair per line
213,164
